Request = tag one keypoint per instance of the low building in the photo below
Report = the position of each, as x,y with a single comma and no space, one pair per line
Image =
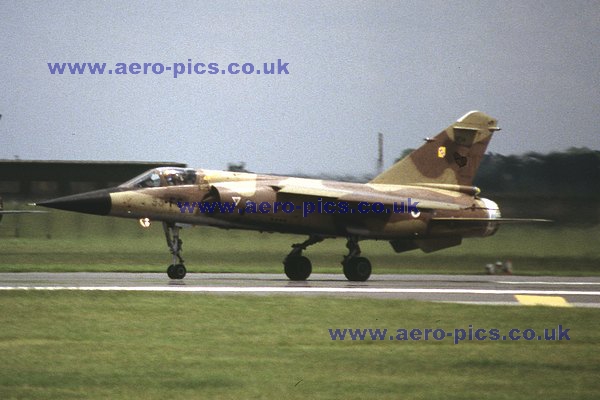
37,179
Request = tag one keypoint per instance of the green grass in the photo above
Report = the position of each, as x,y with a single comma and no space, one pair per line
62,241
141,345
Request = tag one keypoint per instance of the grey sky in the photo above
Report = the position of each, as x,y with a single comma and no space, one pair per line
407,69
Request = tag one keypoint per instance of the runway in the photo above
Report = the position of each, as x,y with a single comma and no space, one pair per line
473,289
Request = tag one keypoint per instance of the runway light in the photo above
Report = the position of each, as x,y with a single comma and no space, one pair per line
145,222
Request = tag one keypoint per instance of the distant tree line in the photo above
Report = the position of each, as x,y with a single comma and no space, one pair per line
562,186
573,173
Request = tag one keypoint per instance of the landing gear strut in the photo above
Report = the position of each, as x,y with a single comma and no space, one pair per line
176,270
356,268
296,266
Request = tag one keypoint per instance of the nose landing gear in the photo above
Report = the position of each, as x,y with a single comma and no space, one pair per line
176,270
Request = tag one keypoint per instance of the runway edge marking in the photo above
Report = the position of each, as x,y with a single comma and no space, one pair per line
553,301
269,289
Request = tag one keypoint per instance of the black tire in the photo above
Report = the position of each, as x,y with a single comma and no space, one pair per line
179,271
297,268
357,269
170,271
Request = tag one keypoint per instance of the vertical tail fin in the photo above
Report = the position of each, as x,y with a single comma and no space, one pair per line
452,157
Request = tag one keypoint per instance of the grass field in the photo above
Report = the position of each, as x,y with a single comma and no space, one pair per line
62,241
155,346
140,345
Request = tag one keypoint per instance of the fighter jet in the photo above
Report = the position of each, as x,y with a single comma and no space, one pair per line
425,201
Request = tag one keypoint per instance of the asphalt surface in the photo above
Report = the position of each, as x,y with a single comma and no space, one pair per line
477,289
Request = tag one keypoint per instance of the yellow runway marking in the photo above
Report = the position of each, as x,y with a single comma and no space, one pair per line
554,301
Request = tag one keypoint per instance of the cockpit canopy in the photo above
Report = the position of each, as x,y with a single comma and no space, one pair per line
164,176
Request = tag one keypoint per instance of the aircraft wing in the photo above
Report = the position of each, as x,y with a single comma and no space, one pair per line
502,220
325,192
370,197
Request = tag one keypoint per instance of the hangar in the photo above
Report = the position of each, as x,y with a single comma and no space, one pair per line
35,179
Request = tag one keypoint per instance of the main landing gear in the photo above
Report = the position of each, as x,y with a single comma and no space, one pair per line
356,268
298,267
176,270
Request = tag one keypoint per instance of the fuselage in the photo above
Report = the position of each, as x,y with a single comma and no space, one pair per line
293,205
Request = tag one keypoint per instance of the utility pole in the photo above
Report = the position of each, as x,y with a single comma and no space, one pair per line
379,153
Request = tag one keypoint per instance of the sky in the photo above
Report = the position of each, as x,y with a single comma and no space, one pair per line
407,69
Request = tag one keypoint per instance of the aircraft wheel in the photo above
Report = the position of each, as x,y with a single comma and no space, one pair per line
357,269
170,271
176,271
297,268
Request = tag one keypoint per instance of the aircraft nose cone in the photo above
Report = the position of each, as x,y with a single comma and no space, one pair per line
97,202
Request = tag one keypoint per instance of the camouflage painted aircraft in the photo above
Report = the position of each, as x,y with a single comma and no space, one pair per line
437,178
